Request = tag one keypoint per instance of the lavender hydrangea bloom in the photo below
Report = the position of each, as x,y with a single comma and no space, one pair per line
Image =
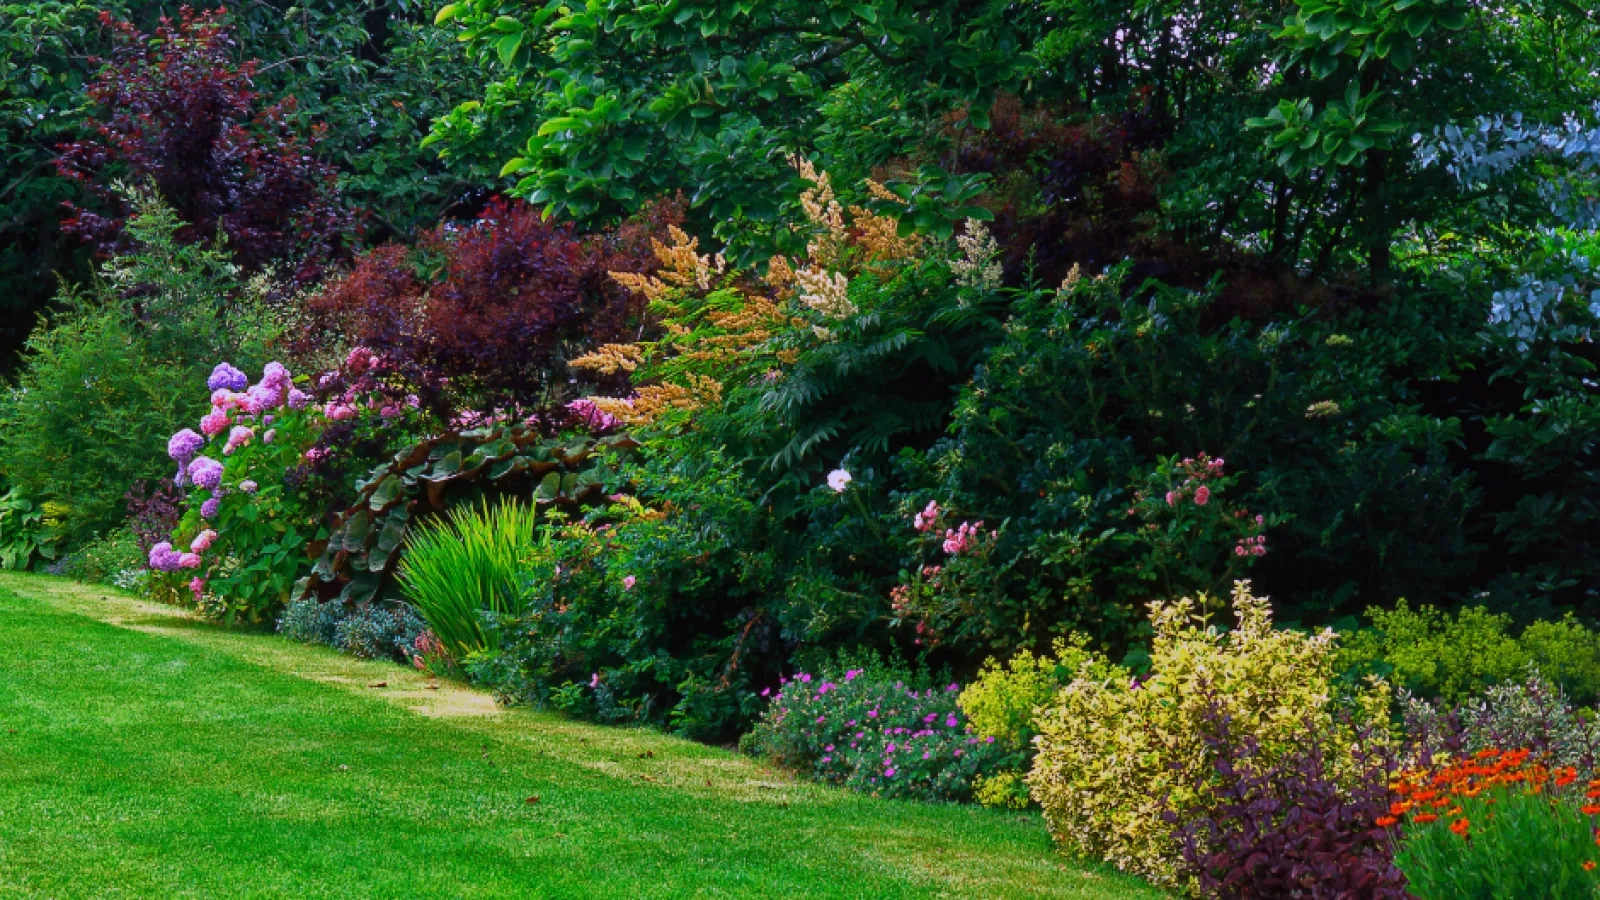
265,396
184,445
298,399
249,486
163,558
206,472
208,509
275,375
226,376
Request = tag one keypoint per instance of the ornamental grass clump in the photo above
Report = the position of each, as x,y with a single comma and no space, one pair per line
469,564
877,732
1122,762
1496,824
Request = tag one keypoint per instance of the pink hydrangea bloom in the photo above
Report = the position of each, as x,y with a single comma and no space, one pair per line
340,411
275,374
189,561
238,437
590,416
629,582
215,423
203,541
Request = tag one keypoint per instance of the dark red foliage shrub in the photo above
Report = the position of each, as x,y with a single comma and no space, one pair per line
153,512
1292,829
485,315
174,109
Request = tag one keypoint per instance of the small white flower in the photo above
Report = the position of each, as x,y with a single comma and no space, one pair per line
838,479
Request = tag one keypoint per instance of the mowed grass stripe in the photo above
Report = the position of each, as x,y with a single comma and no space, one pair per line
163,757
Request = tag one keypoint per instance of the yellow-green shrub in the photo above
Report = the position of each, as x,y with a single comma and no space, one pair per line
1001,701
1114,755
1457,656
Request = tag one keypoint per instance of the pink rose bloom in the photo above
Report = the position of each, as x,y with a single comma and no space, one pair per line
1202,496
214,423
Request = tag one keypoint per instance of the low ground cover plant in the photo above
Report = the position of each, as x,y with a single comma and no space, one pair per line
878,730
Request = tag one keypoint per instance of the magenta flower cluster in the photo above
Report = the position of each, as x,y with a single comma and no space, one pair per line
877,734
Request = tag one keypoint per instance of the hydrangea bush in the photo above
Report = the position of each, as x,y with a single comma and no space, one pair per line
877,733
242,538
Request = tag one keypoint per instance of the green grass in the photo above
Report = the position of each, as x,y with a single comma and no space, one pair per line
145,754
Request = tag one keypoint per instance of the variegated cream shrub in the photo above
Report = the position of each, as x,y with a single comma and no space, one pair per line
1114,754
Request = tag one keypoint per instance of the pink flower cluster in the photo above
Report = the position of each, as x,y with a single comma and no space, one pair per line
1197,471
590,416
928,519
163,558
957,540
238,437
1256,546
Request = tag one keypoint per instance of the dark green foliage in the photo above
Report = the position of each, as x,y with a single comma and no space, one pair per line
91,414
357,563
111,560
24,534
708,98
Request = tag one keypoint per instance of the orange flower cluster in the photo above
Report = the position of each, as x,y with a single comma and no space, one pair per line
1426,795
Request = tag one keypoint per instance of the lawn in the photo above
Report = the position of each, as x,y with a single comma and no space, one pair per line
146,754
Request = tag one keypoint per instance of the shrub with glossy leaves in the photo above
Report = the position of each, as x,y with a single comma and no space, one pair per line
1121,761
